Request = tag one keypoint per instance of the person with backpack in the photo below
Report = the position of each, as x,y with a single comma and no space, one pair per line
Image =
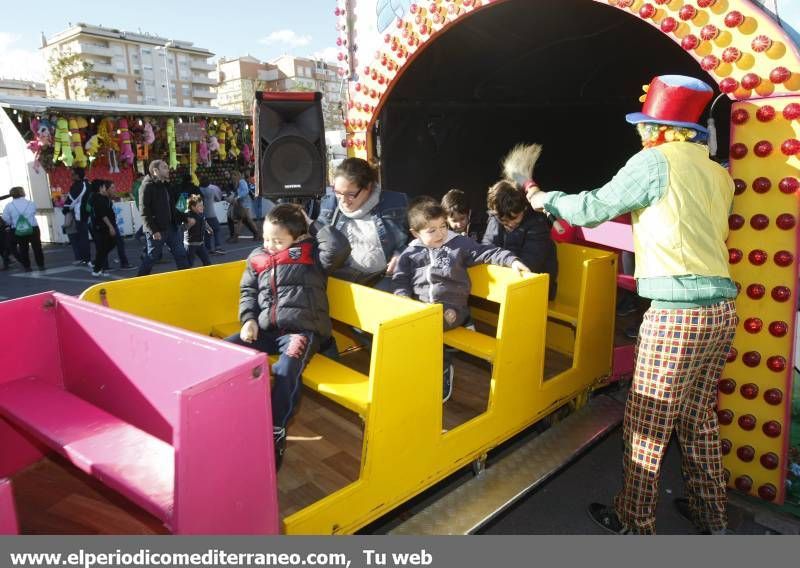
20,215
76,206
104,225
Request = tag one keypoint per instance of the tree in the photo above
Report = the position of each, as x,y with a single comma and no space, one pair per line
74,74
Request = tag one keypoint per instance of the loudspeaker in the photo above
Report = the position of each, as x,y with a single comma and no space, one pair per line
289,145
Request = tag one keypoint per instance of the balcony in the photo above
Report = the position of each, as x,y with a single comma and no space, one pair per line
98,67
201,64
203,79
92,49
203,94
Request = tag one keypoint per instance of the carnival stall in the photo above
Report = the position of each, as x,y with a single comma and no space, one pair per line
45,138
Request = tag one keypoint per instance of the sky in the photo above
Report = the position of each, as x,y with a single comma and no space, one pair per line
264,29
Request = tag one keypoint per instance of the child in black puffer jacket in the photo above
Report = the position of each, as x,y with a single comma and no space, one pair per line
283,302
197,227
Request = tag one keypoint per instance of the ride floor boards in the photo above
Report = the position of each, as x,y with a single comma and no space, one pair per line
323,455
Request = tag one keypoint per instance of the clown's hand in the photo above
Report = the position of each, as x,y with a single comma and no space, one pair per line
536,197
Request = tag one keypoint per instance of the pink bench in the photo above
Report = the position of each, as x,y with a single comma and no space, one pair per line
176,422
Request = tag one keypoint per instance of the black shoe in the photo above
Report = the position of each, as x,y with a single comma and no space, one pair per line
279,441
607,518
685,511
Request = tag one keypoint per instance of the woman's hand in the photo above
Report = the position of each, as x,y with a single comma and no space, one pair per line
249,331
519,267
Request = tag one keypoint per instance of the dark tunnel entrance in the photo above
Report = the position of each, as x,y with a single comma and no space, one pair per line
563,74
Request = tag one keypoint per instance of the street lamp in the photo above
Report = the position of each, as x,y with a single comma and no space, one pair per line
166,71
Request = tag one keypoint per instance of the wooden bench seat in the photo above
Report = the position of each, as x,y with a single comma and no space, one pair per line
123,457
473,342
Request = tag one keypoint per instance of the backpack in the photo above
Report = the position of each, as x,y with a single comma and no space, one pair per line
183,203
23,228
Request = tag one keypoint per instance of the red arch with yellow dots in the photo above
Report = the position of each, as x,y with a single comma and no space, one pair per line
758,66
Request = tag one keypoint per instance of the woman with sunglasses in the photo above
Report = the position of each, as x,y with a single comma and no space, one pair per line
374,221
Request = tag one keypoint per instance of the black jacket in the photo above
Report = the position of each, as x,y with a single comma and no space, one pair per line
102,207
157,206
287,291
530,241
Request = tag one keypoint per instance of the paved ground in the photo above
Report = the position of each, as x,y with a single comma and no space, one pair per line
557,507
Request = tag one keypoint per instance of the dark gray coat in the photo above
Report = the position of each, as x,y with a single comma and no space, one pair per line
287,291
439,276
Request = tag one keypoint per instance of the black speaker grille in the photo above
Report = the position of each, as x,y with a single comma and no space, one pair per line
292,165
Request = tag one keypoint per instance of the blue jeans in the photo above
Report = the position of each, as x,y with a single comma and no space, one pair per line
172,238
257,206
121,253
79,240
295,350
213,222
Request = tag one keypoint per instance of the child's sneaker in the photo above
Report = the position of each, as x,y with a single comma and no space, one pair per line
99,273
447,383
279,441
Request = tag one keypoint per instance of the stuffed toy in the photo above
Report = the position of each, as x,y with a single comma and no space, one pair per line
63,148
42,140
92,146
213,144
246,153
105,131
193,163
173,156
233,149
222,133
202,149
126,154
79,158
149,135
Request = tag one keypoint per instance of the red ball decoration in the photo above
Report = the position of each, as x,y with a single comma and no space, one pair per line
739,186
687,12
756,291
731,54
762,185
791,111
773,396
731,356
785,221
751,358
647,11
751,81
759,221
763,148
778,328
783,258
746,453
776,363
740,116
727,386
734,19
747,422
779,75
709,32
738,151
709,62
735,222
789,185
769,460
757,257
749,391
706,3
772,428
625,3
725,416
725,446
765,113
669,24
790,147
728,85
690,42
761,44
753,325
662,2
781,293
743,483
767,492
734,256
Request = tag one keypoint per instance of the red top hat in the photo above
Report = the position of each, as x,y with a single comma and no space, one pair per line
674,100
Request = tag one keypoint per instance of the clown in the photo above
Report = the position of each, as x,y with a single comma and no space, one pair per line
679,201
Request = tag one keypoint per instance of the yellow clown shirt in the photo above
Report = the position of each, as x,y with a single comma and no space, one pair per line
679,201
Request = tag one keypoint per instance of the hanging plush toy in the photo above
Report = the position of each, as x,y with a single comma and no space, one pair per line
222,133
76,144
126,154
63,150
149,136
233,148
246,153
173,155
213,143
193,163
105,131
92,147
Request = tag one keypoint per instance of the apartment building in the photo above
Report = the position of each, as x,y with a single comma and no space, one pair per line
240,78
21,88
128,67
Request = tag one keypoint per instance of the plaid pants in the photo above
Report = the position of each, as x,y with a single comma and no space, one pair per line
680,354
